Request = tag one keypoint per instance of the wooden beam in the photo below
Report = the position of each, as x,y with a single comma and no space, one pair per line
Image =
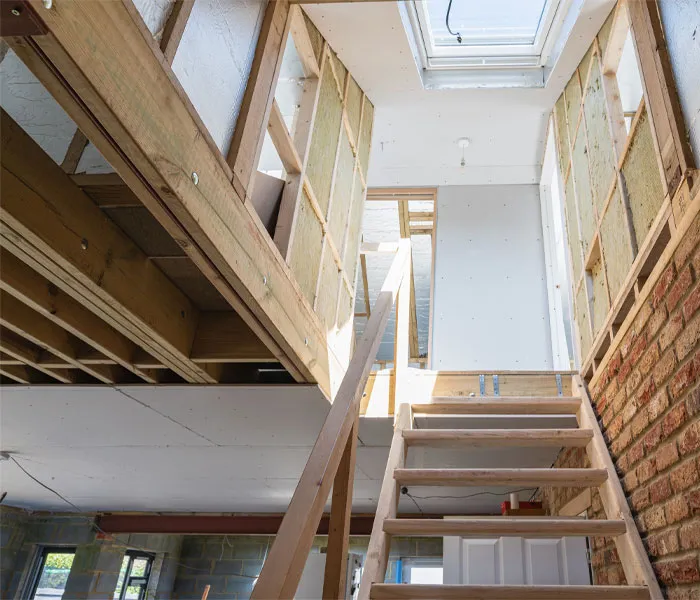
254,114
125,112
339,528
405,231
499,406
51,225
175,27
365,285
74,152
32,289
282,570
22,350
23,374
577,505
282,140
40,331
302,42
223,337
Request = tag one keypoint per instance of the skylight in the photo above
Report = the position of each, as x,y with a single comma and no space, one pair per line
485,33
480,23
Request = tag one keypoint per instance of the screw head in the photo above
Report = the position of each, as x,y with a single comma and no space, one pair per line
195,178
264,279
16,11
306,341
84,244
48,4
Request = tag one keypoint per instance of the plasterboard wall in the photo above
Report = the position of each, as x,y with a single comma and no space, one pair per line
681,21
490,296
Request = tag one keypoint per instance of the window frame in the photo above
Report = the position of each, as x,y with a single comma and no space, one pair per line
40,562
133,555
467,56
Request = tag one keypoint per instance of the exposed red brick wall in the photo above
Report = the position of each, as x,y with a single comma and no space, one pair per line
647,397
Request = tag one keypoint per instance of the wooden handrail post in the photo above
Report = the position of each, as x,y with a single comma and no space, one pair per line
282,570
339,525
401,342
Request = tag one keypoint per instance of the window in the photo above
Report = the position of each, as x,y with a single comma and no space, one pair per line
629,81
52,573
496,33
421,570
133,576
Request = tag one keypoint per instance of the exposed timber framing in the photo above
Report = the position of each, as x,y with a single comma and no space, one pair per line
282,570
225,239
175,27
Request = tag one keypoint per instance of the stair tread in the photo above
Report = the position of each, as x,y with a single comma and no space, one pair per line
533,476
498,437
541,405
385,591
529,527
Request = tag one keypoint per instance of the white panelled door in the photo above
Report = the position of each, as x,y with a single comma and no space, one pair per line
515,561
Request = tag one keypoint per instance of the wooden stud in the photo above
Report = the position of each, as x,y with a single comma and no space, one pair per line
577,505
302,42
175,27
75,151
19,348
223,337
282,141
254,114
365,284
499,406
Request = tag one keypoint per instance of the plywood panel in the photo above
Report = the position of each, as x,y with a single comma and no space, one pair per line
342,191
353,107
572,94
564,152
643,179
617,247
366,135
329,285
324,139
354,228
600,144
306,248
600,296
584,193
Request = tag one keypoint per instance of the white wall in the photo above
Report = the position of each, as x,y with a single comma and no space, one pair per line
490,304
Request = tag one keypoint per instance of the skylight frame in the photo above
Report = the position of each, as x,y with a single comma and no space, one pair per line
471,56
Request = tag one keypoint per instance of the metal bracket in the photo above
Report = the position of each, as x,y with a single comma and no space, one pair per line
496,389
482,385
560,388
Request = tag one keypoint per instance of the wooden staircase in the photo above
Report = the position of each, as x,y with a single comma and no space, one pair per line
619,524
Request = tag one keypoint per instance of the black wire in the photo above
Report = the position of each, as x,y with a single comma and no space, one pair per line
113,539
447,24
474,494
414,502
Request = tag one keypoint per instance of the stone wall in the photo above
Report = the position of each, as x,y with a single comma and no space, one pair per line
647,397
230,564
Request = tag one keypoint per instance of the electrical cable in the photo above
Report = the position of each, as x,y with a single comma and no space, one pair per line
447,24
113,539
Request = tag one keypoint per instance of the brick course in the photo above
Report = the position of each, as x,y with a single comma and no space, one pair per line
647,397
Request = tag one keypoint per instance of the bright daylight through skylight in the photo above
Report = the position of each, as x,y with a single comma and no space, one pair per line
485,22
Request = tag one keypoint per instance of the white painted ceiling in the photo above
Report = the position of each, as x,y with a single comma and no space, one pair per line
211,449
415,131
